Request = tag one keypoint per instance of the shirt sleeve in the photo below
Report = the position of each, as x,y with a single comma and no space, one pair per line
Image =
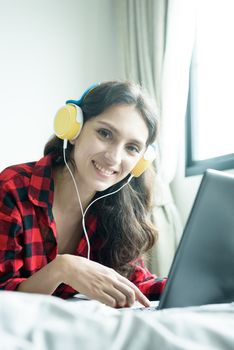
149,284
10,243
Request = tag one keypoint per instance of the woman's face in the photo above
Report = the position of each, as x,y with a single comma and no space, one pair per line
109,147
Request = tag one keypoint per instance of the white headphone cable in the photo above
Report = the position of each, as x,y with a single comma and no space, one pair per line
95,200
78,195
72,176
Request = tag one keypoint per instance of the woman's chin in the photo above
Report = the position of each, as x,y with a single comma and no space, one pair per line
101,188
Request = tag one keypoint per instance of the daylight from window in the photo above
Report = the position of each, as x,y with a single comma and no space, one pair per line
214,70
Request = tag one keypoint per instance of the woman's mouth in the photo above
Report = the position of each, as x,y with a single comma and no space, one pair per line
102,170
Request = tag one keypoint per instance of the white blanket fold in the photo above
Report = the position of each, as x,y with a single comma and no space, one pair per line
38,322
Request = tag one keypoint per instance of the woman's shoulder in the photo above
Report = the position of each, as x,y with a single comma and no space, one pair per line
17,170
26,183
25,170
14,181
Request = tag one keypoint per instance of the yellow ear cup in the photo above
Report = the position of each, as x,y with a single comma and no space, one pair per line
68,122
145,161
140,167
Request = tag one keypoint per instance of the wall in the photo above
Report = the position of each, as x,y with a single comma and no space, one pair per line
51,50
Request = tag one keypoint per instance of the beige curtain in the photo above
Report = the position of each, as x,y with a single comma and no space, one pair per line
156,39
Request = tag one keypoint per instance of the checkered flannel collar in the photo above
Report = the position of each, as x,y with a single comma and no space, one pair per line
41,188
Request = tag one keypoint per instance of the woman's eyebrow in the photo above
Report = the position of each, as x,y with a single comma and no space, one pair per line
110,126
116,131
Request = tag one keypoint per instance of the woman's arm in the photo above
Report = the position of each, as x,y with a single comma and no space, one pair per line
94,280
45,280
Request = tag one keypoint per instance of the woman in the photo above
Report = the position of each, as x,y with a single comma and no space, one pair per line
44,247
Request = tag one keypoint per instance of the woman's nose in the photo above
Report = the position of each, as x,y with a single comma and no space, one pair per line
113,155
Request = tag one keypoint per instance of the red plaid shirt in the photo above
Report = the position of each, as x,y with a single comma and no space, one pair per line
28,231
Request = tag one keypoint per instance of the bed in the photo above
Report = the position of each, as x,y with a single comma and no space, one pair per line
40,322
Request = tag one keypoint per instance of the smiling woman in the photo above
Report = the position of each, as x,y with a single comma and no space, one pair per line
44,246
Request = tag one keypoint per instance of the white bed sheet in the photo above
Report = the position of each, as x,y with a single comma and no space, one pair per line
38,322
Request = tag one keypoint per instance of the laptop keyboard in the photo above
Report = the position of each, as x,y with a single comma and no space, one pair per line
139,308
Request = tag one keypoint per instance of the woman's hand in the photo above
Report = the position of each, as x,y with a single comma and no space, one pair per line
99,282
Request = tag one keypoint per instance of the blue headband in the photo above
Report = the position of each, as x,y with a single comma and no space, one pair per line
78,102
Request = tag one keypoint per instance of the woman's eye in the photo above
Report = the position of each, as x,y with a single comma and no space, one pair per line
104,133
133,149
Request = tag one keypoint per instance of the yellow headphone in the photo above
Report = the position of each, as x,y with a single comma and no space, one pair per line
145,161
68,122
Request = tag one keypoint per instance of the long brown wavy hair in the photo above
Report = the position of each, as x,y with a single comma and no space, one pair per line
124,223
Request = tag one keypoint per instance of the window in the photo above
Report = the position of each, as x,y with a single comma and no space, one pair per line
210,110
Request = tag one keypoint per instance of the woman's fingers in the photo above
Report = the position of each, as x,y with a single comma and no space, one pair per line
138,294
107,299
120,298
123,295
127,294
141,297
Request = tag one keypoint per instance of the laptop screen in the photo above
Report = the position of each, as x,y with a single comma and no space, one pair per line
203,268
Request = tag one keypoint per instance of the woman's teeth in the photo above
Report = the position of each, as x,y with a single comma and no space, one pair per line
103,170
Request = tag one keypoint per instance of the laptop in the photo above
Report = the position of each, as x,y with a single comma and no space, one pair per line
202,271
